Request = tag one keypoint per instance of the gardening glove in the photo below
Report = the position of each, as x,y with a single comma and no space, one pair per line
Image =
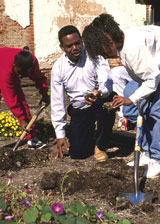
45,99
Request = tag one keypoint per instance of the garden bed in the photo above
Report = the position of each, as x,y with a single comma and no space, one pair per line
85,181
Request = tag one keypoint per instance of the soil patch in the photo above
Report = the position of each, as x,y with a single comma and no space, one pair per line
84,180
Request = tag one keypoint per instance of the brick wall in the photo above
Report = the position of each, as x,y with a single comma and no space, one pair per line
12,34
47,17
114,62
148,8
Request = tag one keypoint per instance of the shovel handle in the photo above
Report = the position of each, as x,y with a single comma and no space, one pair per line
137,149
24,133
28,127
34,118
138,133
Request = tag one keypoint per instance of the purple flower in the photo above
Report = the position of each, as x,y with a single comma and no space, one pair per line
28,191
8,217
7,199
57,208
27,201
9,177
19,197
100,214
12,115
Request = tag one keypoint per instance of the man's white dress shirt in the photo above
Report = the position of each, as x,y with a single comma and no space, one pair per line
76,79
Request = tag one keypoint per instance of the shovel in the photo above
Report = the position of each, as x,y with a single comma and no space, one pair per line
137,196
25,132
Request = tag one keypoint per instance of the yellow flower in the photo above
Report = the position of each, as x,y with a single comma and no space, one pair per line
9,125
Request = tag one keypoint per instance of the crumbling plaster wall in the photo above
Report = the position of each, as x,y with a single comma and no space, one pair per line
50,15
16,24
18,10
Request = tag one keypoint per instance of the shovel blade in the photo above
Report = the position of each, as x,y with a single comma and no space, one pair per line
136,198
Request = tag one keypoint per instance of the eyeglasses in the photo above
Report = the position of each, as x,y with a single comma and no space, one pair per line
71,45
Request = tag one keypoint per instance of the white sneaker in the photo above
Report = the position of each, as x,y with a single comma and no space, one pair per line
153,169
143,160
35,143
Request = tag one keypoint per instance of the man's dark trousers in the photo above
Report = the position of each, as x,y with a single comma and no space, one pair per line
82,135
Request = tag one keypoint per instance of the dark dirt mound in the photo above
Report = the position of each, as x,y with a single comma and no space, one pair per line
83,180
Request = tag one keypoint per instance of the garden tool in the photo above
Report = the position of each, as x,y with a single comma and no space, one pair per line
137,196
25,132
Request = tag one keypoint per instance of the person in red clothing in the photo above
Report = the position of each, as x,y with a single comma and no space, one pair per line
15,64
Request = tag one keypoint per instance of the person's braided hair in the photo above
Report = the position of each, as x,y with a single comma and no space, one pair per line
94,35
107,23
94,39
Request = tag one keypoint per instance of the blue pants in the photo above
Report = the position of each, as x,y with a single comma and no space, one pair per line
131,111
151,126
82,137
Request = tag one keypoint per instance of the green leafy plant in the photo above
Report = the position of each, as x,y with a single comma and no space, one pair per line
45,127
24,207
63,190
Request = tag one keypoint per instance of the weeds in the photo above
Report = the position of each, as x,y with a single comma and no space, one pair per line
25,207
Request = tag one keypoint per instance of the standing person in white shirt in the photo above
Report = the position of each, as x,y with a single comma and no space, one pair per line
139,50
75,74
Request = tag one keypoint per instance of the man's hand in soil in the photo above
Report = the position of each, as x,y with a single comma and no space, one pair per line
91,98
119,101
61,143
